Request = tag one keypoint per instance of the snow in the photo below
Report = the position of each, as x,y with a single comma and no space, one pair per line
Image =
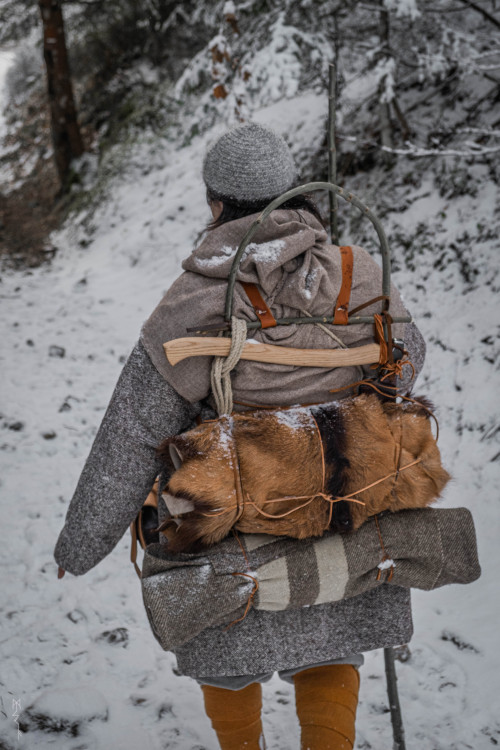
403,8
79,650
264,252
385,73
6,59
213,262
261,252
71,704
296,419
386,564
309,282
226,439
277,80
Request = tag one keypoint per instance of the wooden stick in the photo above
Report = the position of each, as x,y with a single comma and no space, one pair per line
332,152
180,349
394,707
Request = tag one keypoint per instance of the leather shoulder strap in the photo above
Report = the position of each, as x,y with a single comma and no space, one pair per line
341,314
262,311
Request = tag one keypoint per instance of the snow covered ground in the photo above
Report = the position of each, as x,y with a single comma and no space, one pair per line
79,664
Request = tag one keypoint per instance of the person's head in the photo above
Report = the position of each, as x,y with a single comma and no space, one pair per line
245,169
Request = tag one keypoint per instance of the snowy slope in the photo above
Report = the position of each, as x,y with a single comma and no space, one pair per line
77,653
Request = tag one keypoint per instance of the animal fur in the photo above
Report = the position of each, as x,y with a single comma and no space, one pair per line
231,470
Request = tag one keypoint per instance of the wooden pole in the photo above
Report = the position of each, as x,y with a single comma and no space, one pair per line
392,693
332,151
384,106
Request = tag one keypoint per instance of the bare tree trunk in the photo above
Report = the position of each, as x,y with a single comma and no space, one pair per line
66,137
403,122
384,106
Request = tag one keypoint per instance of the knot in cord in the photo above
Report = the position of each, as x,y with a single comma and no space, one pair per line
220,376
392,369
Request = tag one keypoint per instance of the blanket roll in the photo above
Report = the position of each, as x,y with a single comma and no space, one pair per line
184,593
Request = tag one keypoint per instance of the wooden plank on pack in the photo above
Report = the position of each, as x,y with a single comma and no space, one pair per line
180,349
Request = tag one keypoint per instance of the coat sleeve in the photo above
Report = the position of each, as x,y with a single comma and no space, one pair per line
416,348
122,464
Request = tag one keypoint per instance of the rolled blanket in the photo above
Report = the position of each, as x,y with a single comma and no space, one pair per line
185,593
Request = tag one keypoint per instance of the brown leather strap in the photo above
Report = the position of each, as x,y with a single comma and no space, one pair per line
341,314
264,314
133,547
384,338
152,498
136,527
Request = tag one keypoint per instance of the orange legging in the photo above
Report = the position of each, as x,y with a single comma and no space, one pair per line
326,700
235,716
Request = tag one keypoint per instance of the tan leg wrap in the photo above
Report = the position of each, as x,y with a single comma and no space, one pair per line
326,700
235,716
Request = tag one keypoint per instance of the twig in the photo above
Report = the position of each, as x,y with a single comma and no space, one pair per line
482,11
419,152
332,152
477,131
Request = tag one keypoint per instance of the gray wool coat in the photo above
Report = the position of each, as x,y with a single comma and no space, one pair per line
151,403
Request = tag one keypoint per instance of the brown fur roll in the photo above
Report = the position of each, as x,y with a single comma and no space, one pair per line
292,464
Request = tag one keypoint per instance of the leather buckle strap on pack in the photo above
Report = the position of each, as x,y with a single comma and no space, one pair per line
264,314
341,312
383,337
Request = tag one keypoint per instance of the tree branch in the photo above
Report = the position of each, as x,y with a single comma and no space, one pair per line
482,11
419,152
92,3
416,151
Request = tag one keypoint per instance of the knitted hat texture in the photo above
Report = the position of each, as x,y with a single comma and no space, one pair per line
249,163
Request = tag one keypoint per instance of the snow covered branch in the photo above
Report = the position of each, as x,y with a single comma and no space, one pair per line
417,151
411,149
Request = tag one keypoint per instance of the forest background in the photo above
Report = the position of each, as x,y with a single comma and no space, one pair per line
86,253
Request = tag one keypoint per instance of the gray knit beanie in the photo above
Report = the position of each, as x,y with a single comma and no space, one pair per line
249,163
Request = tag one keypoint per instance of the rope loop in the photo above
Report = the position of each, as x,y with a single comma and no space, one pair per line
220,376
249,601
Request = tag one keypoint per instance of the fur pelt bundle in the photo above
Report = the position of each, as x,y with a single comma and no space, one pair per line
282,472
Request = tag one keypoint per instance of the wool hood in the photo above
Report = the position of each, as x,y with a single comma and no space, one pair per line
298,272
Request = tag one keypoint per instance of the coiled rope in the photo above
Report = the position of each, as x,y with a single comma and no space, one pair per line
220,375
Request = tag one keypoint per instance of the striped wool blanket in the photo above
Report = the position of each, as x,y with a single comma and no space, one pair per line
185,593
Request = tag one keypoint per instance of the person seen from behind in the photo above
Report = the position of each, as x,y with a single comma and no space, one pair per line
318,649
